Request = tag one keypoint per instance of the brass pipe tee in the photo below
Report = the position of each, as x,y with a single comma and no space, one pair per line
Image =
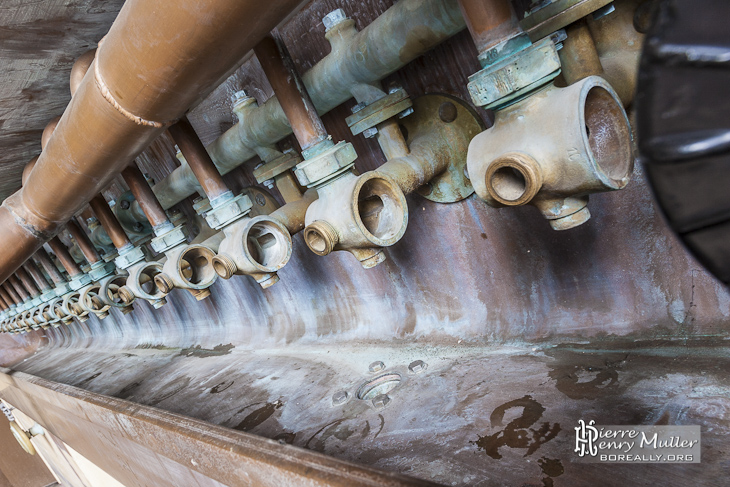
141,284
257,247
188,267
552,149
359,214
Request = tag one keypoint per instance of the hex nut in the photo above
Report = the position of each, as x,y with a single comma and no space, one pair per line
370,133
333,18
323,166
340,397
376,366
417,366
380,401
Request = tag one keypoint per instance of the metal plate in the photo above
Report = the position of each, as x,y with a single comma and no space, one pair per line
459,123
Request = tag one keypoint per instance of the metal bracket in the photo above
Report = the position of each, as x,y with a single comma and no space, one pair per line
379,111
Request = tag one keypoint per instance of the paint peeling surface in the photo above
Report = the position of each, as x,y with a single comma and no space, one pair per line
476,416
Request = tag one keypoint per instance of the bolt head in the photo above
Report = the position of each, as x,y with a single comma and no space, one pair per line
269,183
370,133
239,95
340,397
358,107
376,366
334,18
417,366
405,112
380,401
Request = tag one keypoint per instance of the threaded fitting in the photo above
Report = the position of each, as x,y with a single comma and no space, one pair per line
164,283
127,309
126,295
321,237
224,266
200,294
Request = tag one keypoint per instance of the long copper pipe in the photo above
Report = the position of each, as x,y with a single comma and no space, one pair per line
27,282
40,280
3,304
6,296
144,195
198,159
10,291
18,286
129,96
48,265
489,21
64,257
289,89
110,223
83,241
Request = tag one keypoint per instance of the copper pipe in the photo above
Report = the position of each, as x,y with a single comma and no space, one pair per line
18,286
37,275
48,131
134,93
110,223
83,241
289,89
579,57
145,196
64,257
48,265
27,282
489,21
6,296
27,169
198,159
10,290
3,304
79,69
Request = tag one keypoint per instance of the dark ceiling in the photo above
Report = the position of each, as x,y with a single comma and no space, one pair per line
39,41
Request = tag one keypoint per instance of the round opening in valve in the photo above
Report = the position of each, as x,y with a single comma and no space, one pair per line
268,243
608,134
196,266
380,209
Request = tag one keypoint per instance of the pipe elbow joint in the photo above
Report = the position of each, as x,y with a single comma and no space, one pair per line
554,148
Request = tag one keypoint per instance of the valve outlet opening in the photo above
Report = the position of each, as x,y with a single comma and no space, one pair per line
380,208
509,183
267,245
608,134
196,266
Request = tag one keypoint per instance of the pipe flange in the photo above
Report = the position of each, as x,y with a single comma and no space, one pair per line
280,165
513,179
229,212
379,111
99,270
326,165
168,240
127,258
513,78
456,123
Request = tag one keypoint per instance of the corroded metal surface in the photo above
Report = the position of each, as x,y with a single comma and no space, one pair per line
473,416
142,446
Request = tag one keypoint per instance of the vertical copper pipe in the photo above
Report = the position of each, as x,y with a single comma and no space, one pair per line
198,159
6,296
37,275
289,89
83,241
110,223
50,268
18,286
64,257
27,282
489,21
3,304
579,57
144,195
10,291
